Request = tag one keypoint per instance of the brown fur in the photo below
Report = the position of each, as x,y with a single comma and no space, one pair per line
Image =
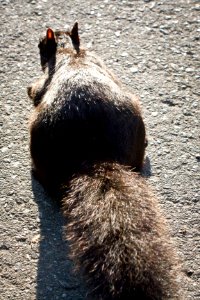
84,130
119,237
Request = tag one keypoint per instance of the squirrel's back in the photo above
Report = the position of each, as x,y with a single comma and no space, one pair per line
82,115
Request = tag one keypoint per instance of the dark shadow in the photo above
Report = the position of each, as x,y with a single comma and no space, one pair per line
146,170
55,276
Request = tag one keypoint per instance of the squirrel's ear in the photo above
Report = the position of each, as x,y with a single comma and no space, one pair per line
75,37
48,47
50,35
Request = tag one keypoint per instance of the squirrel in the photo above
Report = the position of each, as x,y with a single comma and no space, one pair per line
87,138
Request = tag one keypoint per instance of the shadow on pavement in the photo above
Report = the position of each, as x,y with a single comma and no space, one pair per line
55,276
146,171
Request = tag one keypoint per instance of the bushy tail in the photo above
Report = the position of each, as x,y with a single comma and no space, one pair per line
118,237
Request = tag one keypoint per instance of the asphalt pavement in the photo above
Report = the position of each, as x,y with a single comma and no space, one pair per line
153,47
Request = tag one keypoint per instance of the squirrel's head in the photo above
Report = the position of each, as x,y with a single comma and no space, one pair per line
51,42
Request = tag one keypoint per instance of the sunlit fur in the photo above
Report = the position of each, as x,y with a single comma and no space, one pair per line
118,236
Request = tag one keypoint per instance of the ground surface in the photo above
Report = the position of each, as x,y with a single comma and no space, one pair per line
153,46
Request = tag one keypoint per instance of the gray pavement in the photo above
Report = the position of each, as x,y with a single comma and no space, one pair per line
153,46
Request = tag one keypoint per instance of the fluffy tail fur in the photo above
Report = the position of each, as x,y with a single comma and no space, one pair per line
118,236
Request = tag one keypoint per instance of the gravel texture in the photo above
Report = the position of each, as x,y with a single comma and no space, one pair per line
153,46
